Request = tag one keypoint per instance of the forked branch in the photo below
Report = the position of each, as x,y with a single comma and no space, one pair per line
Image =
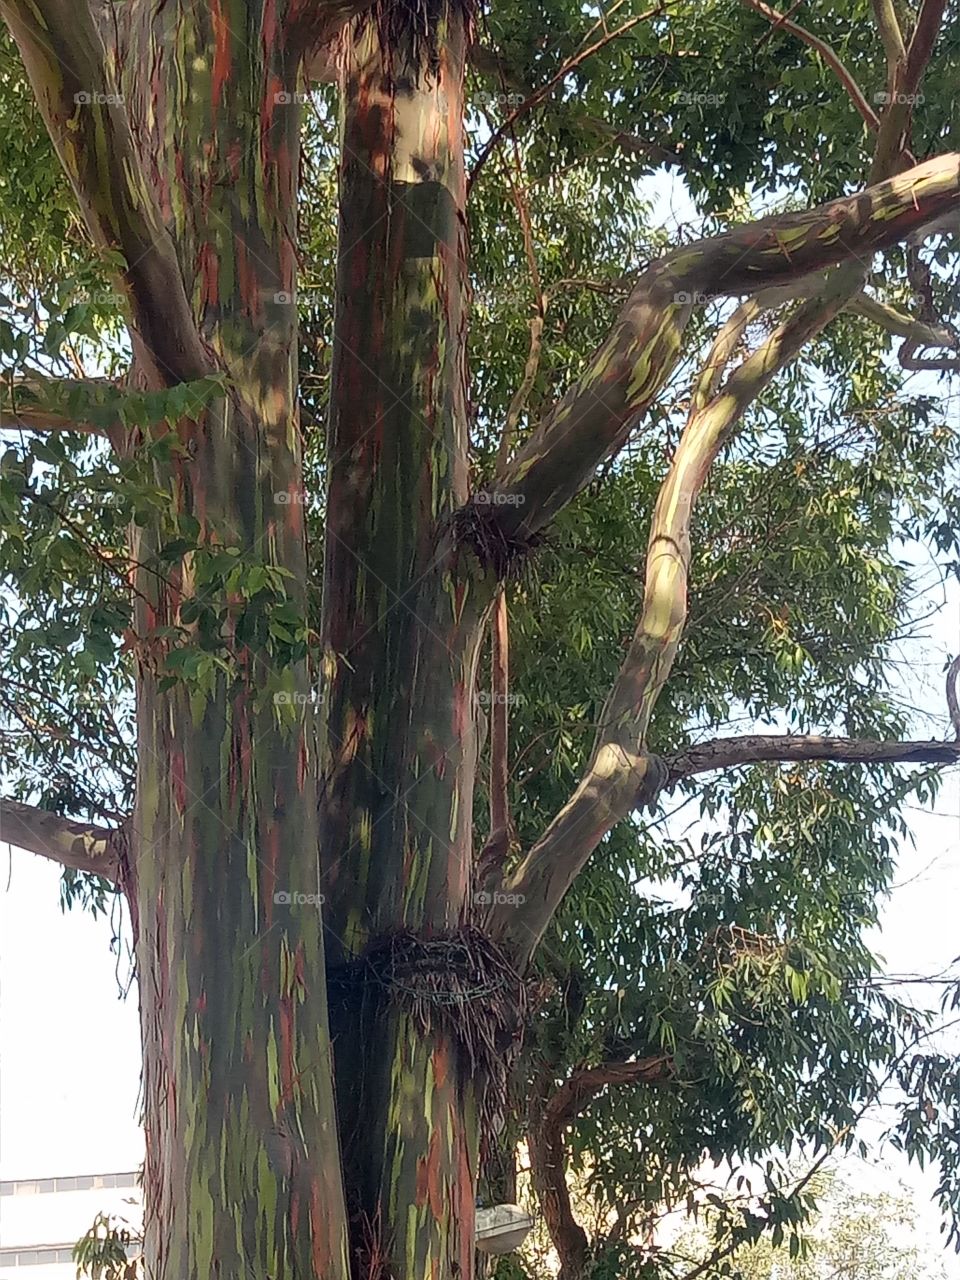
596,416
621,774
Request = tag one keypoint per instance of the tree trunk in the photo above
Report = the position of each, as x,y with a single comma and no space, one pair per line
242,1172
402,615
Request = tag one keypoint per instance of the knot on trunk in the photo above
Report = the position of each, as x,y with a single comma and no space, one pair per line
458,984
504,551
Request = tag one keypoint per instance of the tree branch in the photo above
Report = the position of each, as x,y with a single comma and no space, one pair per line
918,334
953,703
79,845
621,774
888,25
732,753
84,113
596,416
538,95
828,54
489,62
29,403
545,1144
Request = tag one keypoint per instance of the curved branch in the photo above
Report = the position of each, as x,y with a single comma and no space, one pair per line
596,416
733,753
80,845
828,54
548,1158
918,334
85,116
621,773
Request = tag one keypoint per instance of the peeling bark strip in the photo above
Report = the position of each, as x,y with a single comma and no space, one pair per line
594,418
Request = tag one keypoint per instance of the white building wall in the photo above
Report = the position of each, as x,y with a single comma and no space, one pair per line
41,1219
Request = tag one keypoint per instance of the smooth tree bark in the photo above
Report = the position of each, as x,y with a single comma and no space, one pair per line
280,861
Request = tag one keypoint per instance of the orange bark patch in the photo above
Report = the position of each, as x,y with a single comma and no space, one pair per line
441,1064
435,1179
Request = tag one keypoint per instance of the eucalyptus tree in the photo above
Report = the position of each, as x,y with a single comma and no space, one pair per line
270,753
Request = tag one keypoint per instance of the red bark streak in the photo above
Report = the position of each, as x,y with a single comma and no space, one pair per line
466,1208
268,29
441,1064
221,58
302,763
235,158
210,273
274,87
318,1232
435,1179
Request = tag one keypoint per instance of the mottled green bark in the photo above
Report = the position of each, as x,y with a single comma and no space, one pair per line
401,602
243,1171
403,605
